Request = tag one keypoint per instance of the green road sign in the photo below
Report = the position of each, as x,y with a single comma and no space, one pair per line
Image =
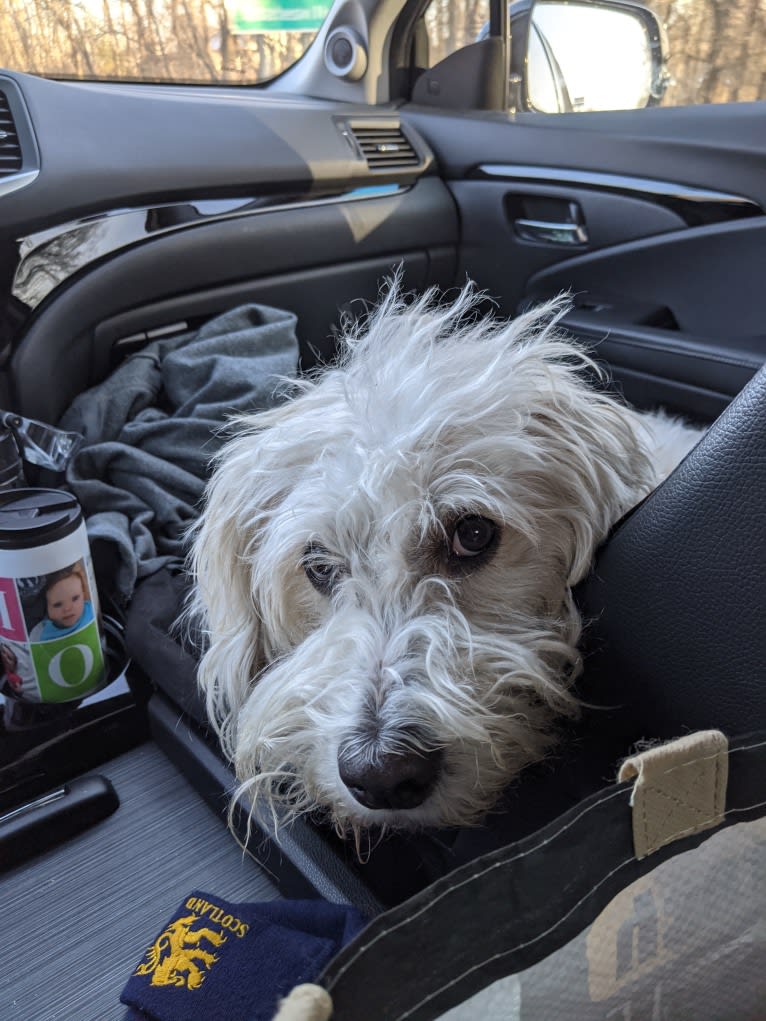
264,16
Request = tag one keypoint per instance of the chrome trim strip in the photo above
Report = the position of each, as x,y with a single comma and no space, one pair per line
31,806
550,233
616,182
48,258
15,181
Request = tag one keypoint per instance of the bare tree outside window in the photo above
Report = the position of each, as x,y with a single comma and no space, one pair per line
451,26
717,50
141,40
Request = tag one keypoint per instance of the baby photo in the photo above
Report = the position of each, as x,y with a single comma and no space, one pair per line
68,606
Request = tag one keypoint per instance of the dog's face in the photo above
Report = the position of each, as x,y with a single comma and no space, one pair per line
385,565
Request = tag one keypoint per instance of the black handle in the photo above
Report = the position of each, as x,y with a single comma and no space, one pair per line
52,818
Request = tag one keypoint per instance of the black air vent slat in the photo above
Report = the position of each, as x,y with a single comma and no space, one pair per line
10,150
385,147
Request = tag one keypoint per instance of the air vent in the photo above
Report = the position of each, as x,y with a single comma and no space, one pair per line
384,148
10,150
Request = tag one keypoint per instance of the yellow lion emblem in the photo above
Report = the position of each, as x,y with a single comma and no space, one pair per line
176,958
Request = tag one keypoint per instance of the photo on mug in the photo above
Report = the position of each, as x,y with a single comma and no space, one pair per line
68,605
50,644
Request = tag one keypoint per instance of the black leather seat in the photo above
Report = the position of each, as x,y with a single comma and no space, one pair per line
677,598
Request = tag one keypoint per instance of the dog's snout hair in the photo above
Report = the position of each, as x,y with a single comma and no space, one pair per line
384,563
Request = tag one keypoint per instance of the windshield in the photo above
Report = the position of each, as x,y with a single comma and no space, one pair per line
189,41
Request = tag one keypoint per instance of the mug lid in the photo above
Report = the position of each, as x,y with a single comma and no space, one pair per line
29,517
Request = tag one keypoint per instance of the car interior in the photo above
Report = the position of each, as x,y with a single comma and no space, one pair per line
133,211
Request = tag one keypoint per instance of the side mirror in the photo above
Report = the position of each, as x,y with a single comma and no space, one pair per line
570,57
566,56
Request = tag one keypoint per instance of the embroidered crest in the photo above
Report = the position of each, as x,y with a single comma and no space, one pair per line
176,957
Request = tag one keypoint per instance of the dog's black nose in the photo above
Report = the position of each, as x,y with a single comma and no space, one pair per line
395,780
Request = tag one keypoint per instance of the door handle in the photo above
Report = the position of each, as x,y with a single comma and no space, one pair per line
566,229
552,233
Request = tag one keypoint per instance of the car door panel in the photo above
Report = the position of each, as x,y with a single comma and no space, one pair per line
311,260
684,374
493,253
705,280
665,274
708,276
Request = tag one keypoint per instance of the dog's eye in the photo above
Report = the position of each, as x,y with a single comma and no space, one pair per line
322,572
473,535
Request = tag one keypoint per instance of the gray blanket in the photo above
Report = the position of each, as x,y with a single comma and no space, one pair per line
152,427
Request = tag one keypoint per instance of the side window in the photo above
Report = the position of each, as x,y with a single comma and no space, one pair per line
185,41
716,50
452,24
571,56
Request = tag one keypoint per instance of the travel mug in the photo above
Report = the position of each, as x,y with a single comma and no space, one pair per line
51,645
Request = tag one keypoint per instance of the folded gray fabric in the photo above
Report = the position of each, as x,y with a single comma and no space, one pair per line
152,427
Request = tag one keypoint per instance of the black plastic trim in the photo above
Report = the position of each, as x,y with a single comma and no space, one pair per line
52,257
54,817
30,155
696,206
708,277
670,354
111,145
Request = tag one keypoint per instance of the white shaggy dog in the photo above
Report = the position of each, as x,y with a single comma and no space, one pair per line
385,563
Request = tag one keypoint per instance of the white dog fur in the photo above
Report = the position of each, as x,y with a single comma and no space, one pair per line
413,677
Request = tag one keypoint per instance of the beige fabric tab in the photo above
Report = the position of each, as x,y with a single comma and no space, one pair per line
680,789
306,1002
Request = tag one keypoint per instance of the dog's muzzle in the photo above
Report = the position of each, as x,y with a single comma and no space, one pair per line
395,780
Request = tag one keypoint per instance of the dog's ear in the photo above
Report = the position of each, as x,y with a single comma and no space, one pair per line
599,471
593,446
235,583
